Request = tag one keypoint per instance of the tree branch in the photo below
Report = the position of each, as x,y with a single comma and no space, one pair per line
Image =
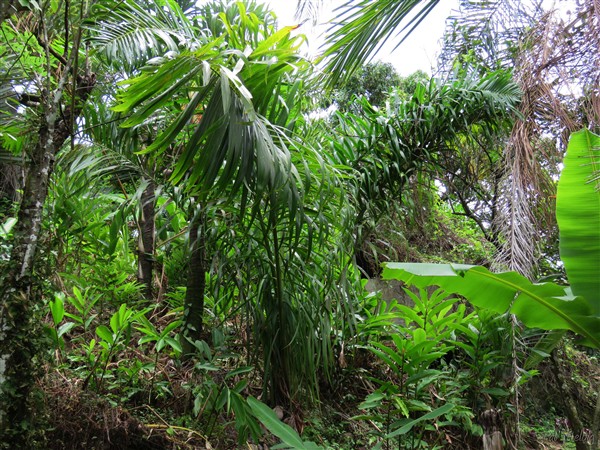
50,50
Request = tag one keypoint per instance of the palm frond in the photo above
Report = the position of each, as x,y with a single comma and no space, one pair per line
544,56
484,33
362,29
309,10
385,149
130,33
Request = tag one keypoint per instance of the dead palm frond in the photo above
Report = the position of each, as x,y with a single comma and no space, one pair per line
554,60
483,32
545,58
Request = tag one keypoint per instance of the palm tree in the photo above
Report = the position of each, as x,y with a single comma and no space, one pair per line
387,148
229,96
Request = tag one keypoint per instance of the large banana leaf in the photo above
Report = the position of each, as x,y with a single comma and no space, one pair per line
547,305
578,216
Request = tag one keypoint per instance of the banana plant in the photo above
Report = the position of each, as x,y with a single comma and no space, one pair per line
548,306
578,216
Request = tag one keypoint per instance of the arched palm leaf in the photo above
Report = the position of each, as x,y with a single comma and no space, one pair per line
385,148
130,33
364,26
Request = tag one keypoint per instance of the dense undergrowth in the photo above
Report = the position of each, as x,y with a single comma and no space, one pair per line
110,389
414,369
416,372
189,241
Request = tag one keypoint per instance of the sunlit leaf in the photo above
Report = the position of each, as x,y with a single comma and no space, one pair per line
578,216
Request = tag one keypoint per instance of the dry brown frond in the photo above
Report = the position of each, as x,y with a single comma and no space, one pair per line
557,66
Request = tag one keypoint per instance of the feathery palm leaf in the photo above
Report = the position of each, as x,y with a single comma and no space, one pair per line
384,149
364,26
129,33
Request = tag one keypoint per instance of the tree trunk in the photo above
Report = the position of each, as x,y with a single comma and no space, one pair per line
17,338
196,285
491,421
146,239
574,422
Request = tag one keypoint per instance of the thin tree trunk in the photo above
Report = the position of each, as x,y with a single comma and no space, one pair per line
146,239
17,337
196,285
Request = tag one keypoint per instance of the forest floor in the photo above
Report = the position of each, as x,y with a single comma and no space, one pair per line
80,418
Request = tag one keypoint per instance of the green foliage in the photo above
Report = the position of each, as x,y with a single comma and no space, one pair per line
546,305
213,397
113,339
162,338
208,111
288,436
59,330
382,150
84,305
431,329
373,81
578,216
409,84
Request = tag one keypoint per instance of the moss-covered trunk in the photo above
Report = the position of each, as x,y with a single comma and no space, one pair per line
17,337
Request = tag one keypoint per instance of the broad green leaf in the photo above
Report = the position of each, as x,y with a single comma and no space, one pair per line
104,333
57,308
6,227
175,345
419,336
65,328
430,415
287,434
498,392
239,371
265,46
117,319
578,216
547,306
401,406
373,400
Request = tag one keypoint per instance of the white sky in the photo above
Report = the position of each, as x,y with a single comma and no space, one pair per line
419,51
